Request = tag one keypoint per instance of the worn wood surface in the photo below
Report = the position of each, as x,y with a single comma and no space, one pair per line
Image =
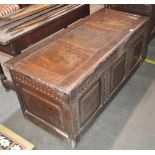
65,81
141,9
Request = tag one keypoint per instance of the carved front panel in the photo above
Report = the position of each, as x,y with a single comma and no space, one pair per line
41,101
138,46
89,102
137,49
117,72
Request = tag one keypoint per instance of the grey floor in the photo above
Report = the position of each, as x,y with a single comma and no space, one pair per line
127,123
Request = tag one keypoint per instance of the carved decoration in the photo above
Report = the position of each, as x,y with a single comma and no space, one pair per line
44,89
94,77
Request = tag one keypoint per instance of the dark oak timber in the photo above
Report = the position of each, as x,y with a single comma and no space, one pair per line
65,81
140,9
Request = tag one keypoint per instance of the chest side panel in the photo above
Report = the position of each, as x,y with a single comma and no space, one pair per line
42,102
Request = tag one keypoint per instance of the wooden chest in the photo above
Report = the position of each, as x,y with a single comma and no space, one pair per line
65,81
141,9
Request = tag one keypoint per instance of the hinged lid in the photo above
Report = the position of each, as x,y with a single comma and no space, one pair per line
65,62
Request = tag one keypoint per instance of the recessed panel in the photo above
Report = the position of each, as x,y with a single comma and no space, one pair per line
117,72
89,102
114,21
60,59
46,110
137,50
89,38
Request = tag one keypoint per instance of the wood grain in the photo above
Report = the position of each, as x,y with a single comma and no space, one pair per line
69,77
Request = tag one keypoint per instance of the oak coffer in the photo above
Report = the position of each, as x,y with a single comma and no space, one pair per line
65,81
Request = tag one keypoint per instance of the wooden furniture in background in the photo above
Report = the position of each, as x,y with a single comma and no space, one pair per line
34,23
24,5
64,82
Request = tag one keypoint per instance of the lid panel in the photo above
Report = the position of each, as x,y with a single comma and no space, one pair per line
89,38
61,59
114,21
